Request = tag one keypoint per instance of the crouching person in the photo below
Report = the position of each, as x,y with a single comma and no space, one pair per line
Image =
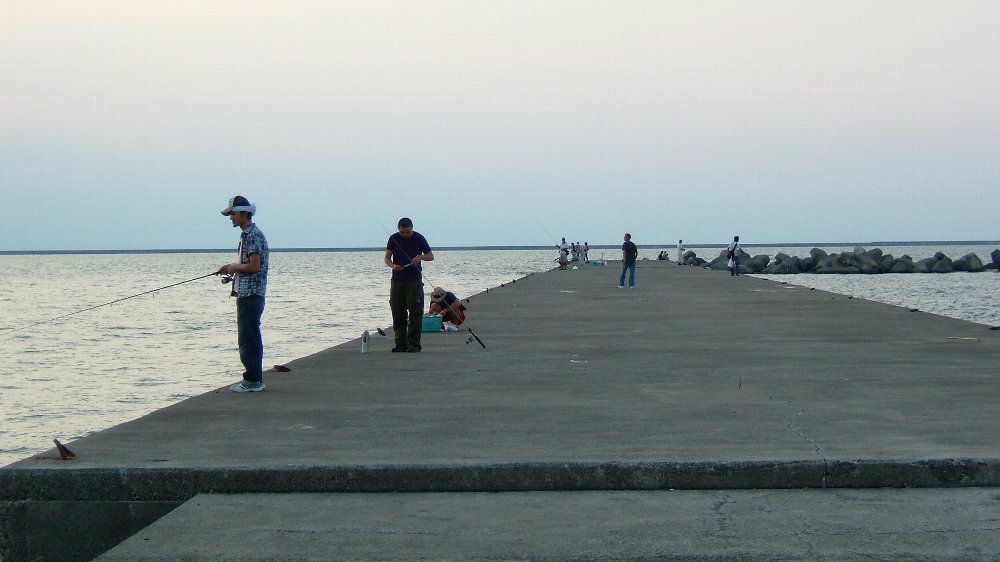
448,306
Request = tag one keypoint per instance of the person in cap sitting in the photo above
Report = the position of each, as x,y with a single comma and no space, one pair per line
448,306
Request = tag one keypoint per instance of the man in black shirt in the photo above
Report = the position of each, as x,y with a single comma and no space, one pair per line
629,254
403,253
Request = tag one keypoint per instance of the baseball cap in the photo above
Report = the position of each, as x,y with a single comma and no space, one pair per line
239,204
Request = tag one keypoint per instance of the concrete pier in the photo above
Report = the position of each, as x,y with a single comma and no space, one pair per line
691,417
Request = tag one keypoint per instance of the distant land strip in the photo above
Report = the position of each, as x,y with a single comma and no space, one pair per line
668,245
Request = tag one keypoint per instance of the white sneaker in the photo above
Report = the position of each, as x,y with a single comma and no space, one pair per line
621,286
247,386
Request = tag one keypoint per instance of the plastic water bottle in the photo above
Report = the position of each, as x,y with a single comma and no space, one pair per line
364,341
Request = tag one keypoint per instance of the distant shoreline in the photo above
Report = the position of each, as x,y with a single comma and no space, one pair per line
502,248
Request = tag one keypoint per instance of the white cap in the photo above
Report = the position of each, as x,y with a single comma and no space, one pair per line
239,204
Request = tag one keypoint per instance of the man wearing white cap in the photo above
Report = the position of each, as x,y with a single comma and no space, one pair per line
249,285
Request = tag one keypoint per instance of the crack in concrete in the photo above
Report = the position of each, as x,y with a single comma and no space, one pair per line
819,452
356,531
722,520
824,482
804,536
813,532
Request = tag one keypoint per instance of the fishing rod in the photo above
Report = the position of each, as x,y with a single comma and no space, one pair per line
451,306
554,241
558,247
226,279
684,248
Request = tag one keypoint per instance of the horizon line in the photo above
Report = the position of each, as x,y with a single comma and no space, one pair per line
495,248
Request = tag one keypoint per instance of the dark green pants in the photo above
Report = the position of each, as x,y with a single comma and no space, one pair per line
407,303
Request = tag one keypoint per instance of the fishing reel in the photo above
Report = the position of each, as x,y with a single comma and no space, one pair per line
226,280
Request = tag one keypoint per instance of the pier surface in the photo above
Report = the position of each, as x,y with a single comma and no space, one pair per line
698,415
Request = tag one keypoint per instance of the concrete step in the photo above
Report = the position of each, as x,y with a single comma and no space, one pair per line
913,524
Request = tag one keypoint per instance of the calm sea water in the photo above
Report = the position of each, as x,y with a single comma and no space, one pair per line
90,371
968,296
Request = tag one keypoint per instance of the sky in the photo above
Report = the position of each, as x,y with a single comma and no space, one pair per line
129,125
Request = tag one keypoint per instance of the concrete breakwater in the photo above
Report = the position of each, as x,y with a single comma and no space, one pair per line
859,260
605,404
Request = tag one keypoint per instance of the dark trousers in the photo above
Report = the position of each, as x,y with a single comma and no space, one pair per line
248,313
406,300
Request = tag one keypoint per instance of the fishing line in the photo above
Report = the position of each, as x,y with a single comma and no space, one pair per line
558,246
225,280
554,241
450,305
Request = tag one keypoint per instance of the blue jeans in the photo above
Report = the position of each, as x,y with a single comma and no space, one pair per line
630,267
735,270
248,313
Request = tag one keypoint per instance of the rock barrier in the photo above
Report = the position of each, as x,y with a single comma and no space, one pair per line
858,261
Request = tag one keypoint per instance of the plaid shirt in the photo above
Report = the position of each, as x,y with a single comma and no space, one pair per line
252,241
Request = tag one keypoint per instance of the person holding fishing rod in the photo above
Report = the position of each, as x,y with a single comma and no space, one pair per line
403,253
249,276
563,259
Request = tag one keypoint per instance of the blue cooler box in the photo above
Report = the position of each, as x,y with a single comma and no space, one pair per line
431,324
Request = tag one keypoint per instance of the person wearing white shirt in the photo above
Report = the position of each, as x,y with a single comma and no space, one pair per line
734,256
